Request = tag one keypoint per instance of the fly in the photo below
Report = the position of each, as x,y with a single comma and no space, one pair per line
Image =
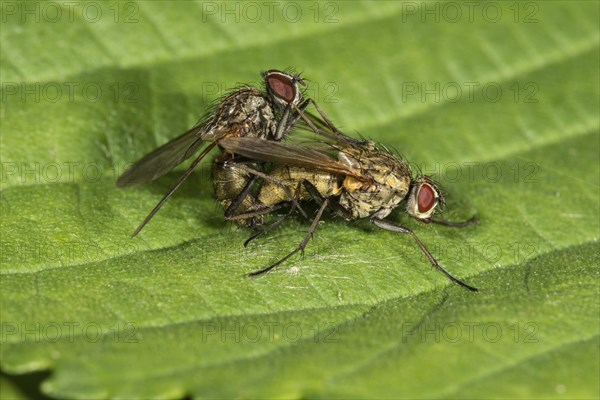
355,180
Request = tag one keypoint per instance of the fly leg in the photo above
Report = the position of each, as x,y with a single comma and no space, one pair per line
325,119
316,196
288,120
265,230
277,182
178,183
301,246
239,199
392,227
335,133
258,212
233,211
323,203
452,224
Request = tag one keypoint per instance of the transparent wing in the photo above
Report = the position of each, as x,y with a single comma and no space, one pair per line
181,179
163,159
284,154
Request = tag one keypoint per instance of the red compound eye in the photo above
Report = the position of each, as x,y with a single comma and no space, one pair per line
425,198
282,86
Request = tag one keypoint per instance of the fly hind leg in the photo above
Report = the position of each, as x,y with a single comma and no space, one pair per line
323,203
301,246
333,133
275,181
269,228
315,195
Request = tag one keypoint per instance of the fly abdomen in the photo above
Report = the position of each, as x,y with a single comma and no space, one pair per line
291,177
229,183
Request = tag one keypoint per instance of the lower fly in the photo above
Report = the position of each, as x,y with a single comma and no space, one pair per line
354,180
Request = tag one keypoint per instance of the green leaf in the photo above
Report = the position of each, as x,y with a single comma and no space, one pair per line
500,104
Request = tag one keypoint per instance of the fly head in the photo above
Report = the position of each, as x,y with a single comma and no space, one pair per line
424,198
284,88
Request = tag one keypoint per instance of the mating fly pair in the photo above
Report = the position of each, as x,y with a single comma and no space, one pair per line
267,114
256,174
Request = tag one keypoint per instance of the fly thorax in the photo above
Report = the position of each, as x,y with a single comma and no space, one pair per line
370,198
381,183
261,121
249,113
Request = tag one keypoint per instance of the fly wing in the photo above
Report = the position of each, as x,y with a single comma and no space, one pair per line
284,154
163,159
181,179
